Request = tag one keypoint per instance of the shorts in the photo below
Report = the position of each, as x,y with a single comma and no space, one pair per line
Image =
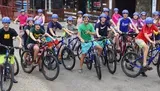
2,59
104,42
86,46
30,46
140,43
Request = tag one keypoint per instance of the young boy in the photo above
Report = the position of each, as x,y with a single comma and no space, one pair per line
7,35
85,33
143,38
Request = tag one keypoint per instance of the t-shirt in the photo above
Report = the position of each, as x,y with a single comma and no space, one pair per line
142,21
124,24
83,28
54,26
36,34
115,18
103,29
148,30
71,28
6,39
22,19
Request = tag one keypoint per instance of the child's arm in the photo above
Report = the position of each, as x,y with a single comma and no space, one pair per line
15,21
79,36
67,31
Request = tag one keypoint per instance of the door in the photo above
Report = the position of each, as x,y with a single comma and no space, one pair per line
130,5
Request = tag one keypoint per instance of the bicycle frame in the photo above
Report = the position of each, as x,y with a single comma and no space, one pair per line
149,60
91,51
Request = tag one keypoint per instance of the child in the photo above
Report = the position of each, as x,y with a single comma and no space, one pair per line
116,16
79,18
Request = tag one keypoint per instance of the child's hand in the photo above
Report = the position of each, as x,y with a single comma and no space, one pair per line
88,32
82,40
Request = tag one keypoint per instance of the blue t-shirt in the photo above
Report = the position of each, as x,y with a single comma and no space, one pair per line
124,24
54,26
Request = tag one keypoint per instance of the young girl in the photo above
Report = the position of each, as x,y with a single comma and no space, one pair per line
79,18
40,17
142,18
156,18
116,16
22,18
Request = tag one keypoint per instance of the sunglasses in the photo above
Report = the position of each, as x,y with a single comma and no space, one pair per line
6,22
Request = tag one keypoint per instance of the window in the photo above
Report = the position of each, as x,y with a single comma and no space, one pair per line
70,4
94,5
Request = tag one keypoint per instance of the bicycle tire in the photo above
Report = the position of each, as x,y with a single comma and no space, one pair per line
97,66
25,64
130,67
49,67
88,64
111,60
79,52
129,49
70,55
7,69
17,66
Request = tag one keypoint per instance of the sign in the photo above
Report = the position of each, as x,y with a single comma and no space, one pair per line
97,4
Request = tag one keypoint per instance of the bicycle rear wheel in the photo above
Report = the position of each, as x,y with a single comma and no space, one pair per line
50,67
131,64
68,58
26,62
97,66
16,66
6,77
111,62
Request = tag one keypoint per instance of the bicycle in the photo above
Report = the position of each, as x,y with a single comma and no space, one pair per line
67,55
132,61
6,70
92,57
108,56
49,61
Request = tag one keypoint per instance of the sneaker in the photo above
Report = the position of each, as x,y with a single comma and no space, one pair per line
15,81
80,70
144,74
147,67
34,64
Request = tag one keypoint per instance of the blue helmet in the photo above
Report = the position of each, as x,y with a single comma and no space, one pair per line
149,20
143,13
105,10
86,15
103,15
125,11
156,13
54,16
80,12
6,20
136,13
22,10
30,19
70,18
39,10
37,22
116,9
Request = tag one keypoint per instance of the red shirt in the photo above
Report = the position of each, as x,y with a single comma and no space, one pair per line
148,30
22,19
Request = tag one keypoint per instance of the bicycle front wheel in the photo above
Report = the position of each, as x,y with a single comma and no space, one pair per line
50,67
6,77
97,66
131,64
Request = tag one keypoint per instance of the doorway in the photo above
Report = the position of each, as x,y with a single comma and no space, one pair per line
82,5
130,5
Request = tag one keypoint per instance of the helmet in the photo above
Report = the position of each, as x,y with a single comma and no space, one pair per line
125,12
22,10
80,12
30,19
6,20
103,15
116,9
39,10
70,18
37,22
136,13
105,10
86,15
54,16
156,13
149,20
143,13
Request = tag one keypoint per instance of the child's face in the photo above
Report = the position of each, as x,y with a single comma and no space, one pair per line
37,27
116,12
107,13
125,15
5,25
135,17
103,19
156,16
79,15
70,22
22,13
55,20
86,20
149,25
143,16
30,23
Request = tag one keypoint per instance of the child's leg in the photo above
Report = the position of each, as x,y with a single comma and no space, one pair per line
145,53
82,60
